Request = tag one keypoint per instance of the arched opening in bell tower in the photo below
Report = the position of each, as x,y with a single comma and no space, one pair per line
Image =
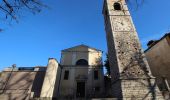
117,6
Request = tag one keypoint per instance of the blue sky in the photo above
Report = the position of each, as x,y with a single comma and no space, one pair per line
72,22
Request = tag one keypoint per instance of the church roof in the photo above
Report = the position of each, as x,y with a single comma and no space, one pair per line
82,48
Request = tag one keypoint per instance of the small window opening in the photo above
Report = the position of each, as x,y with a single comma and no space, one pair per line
117,6
66,75
26,68
96,76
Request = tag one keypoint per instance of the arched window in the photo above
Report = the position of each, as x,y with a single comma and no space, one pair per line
82,62
117,6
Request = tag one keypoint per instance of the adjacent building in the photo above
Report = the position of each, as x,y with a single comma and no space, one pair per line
158,56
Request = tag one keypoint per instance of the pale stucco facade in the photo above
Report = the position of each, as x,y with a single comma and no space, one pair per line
81,73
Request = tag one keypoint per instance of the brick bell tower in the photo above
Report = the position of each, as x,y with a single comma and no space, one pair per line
131,75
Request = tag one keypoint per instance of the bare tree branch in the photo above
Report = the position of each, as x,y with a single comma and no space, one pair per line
11,9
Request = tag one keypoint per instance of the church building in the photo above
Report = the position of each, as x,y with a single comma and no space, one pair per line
78,75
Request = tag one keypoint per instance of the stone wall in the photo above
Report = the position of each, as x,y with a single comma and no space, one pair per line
127,60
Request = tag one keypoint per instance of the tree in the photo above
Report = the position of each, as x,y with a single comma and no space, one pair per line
10,9
106,64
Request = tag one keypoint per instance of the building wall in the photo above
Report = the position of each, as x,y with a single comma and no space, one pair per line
86,74
158,57
50,83
20,85
37,84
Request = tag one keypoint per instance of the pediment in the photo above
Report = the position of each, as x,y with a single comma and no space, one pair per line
81,48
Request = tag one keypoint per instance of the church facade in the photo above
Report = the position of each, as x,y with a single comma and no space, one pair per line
82,72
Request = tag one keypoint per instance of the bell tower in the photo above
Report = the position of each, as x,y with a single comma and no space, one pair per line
130,72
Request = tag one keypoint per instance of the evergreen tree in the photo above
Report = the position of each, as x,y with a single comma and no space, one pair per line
106,64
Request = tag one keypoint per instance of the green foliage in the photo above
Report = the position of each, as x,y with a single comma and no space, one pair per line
106,64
